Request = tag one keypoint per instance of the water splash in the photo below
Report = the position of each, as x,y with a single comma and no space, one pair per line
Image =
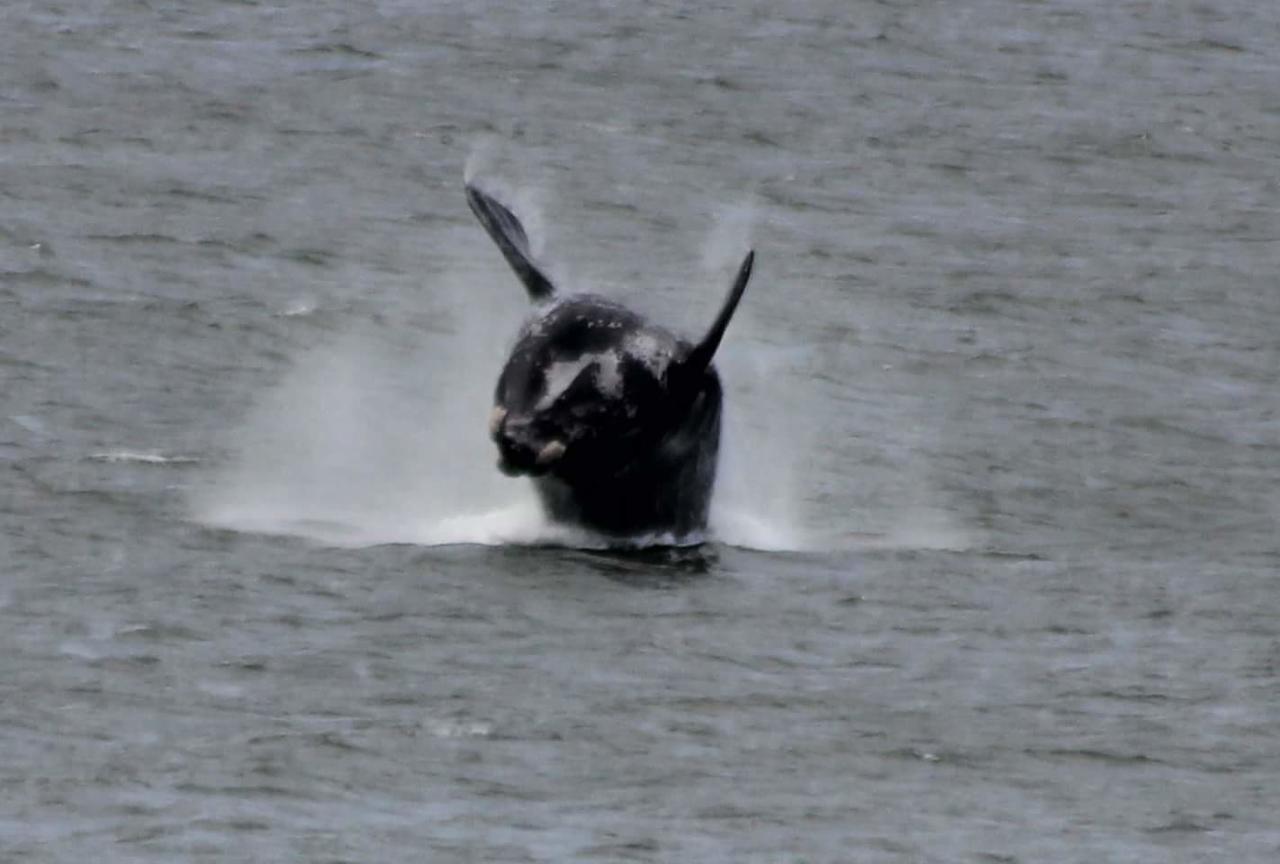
362,443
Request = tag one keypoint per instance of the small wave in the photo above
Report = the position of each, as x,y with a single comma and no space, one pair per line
31,424
138,237
459,729
298,309
142,458
344,49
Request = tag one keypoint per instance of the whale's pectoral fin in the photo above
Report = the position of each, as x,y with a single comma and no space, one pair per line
700,356
506,230
686,376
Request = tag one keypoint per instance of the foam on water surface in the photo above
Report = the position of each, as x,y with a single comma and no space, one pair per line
362,444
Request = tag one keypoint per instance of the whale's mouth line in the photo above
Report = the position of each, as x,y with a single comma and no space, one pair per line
542,463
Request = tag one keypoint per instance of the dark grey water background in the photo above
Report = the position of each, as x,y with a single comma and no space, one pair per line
1005,412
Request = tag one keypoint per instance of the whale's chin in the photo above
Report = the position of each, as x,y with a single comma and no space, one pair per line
517,461
519,469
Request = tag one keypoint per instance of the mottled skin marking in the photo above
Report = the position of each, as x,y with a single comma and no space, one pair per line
616,420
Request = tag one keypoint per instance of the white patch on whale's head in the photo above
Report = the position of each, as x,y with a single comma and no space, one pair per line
560,376
608,374
653,353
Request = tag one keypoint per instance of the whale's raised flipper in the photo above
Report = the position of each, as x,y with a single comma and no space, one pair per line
701,356
508,233
687,375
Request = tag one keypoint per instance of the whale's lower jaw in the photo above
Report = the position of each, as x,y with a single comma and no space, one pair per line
666,492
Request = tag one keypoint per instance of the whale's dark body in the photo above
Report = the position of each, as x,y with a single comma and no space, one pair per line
616,420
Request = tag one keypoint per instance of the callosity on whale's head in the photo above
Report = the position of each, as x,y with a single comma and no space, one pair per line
617,420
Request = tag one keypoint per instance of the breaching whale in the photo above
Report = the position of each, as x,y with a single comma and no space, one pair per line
615,420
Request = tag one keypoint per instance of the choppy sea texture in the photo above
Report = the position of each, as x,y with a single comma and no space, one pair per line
994,573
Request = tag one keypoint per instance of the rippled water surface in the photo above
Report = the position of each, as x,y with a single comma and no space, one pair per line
994,569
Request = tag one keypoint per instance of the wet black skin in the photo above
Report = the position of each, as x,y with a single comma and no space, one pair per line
632,412
638,459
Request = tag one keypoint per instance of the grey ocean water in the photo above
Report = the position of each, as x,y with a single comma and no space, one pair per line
995,567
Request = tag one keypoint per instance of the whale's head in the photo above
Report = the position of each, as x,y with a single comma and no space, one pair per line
590,387
585,389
